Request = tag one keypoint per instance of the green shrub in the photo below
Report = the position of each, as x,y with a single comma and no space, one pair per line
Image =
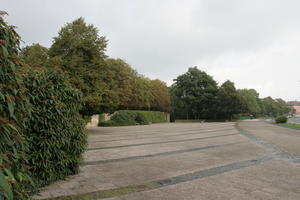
108,123
124,116
133,117
281,119
153,116
141,119
56,129
15,179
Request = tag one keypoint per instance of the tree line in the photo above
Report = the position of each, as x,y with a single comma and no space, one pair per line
107,84
110,84
196,95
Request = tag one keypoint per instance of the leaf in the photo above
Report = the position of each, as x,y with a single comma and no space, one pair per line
5,187
11,109
5,52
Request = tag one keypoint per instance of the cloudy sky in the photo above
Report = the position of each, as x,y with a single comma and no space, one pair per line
254,43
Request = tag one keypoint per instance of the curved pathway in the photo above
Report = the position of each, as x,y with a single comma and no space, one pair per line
245,160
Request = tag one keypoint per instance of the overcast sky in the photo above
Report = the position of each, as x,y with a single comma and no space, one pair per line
254,43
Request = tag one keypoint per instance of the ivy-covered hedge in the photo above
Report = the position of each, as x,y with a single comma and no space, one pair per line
56,129
134,117
14,111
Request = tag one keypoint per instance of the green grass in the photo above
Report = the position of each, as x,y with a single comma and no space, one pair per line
291,124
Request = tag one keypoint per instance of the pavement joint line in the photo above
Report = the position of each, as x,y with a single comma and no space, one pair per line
268,146
161,154
161,132
129,189
192,133
158,131
162,142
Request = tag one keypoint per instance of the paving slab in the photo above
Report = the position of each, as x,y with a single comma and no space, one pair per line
242,160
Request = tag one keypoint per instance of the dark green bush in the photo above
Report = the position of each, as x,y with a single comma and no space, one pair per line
108,123
153,116
141,118
133,117
281,119
124,116
56,130
14,110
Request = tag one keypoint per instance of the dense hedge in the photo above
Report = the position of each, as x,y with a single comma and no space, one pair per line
281,119
133,117
56,130
14,109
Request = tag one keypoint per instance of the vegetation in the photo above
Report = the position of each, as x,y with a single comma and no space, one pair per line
195,95
228,101
133,117
281,119
56,130
292,125
14,107
45,102
81,52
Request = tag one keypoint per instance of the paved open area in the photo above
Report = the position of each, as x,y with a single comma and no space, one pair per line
245,160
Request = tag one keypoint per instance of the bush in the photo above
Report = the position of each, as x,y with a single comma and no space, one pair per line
56,130
15,179
281,119
108,123
132,117
153,116
141,119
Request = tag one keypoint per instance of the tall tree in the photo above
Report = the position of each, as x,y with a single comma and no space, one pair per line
35,55
249,101
228,101
194,95
160,95
141,93
123,81
81,52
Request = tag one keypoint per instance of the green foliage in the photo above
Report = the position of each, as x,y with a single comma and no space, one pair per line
153,116
125,117
136,91
133,117
81,53
14,109
249,101
273,107
56,130
281,119
141,118
194,95
292,125
228,101
108,123
160,97
35,55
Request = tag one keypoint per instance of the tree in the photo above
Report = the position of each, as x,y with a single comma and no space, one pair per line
228,101
123,81
160,95
249,101
141,93
273,107
194,95
35,55
81,53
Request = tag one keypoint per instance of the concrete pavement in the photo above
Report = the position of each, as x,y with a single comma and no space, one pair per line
248,160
